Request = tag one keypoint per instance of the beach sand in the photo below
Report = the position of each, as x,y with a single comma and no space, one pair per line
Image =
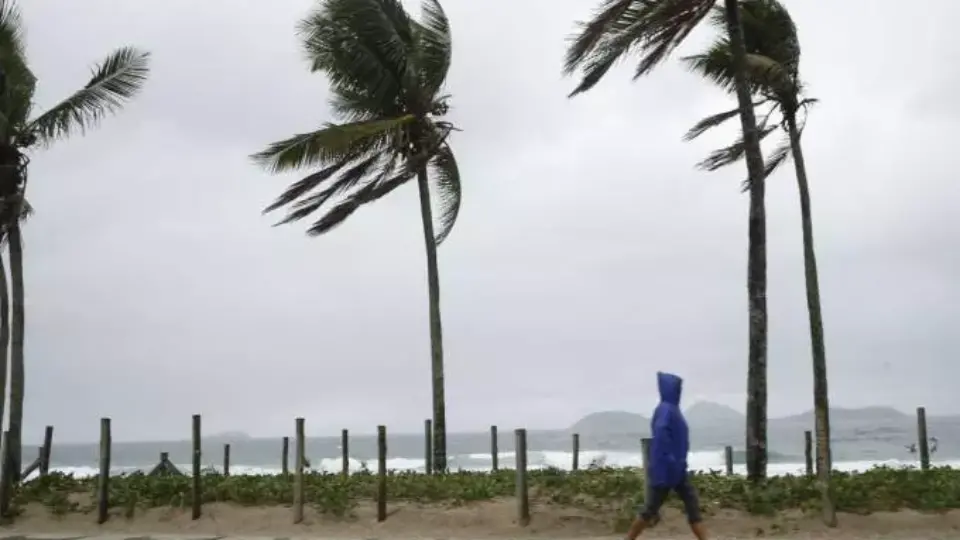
494,519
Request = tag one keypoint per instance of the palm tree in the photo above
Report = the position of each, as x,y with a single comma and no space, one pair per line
386,72
773,62
654,29
115,80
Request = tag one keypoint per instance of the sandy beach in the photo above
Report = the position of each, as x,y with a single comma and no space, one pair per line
481,520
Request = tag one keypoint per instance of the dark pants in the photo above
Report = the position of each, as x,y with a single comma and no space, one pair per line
687,493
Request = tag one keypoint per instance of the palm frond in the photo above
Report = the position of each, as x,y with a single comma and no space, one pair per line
593,32
347,180
369,193
18,82
772,47
714,64
446,178
115,81
731,154
773,162
434,47
363,45
653,27
708,123
12,35
333,143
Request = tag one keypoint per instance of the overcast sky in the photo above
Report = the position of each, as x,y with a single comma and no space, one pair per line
589,252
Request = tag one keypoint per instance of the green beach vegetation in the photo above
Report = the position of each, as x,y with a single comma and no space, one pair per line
609,494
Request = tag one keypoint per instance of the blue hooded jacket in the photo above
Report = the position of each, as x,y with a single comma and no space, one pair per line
671,438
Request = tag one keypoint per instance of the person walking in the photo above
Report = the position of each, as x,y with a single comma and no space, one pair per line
668,461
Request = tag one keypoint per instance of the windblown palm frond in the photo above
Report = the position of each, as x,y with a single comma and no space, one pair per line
333,143
385,71
435,47
772,68
115,81
446,177
653,28
18,82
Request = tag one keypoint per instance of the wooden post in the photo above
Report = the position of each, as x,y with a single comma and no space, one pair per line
645,460
345,451
382,473
284,456
297,472
103,485
922,439
523,497
494,451
728,459
428,446
47,450
808,452
226,459
196,491
576,451
6,479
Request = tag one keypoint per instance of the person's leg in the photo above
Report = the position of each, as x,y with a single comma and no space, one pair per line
691,506
649,514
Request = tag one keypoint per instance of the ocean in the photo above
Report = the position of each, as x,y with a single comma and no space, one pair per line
856,446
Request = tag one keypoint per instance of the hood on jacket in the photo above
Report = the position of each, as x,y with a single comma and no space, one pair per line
670,386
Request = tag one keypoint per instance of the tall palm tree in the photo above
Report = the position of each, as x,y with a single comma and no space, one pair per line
115,80
654,29
386,72
773,61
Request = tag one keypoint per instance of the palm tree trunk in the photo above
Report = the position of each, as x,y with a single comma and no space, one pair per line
756,435
436,330
16,348
821,400
4,336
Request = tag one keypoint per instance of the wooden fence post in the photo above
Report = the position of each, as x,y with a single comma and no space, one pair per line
428,446
345,452
103,485
382,472
922,439
523,497
6,479
808,452
645,460
196,491
285,457
297,471
226,459
47,450
728,459
494,450
576,451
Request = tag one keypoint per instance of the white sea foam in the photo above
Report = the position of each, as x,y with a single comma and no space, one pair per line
703,461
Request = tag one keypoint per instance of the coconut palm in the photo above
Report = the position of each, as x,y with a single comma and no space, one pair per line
653,29
386,72
773,62
114,81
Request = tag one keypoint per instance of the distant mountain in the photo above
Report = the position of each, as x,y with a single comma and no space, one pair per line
714,416
611,422
706,413
229,436
871,415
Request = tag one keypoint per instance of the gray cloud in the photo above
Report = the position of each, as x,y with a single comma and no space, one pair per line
589,254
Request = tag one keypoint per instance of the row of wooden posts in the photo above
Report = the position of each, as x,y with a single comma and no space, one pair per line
165,466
